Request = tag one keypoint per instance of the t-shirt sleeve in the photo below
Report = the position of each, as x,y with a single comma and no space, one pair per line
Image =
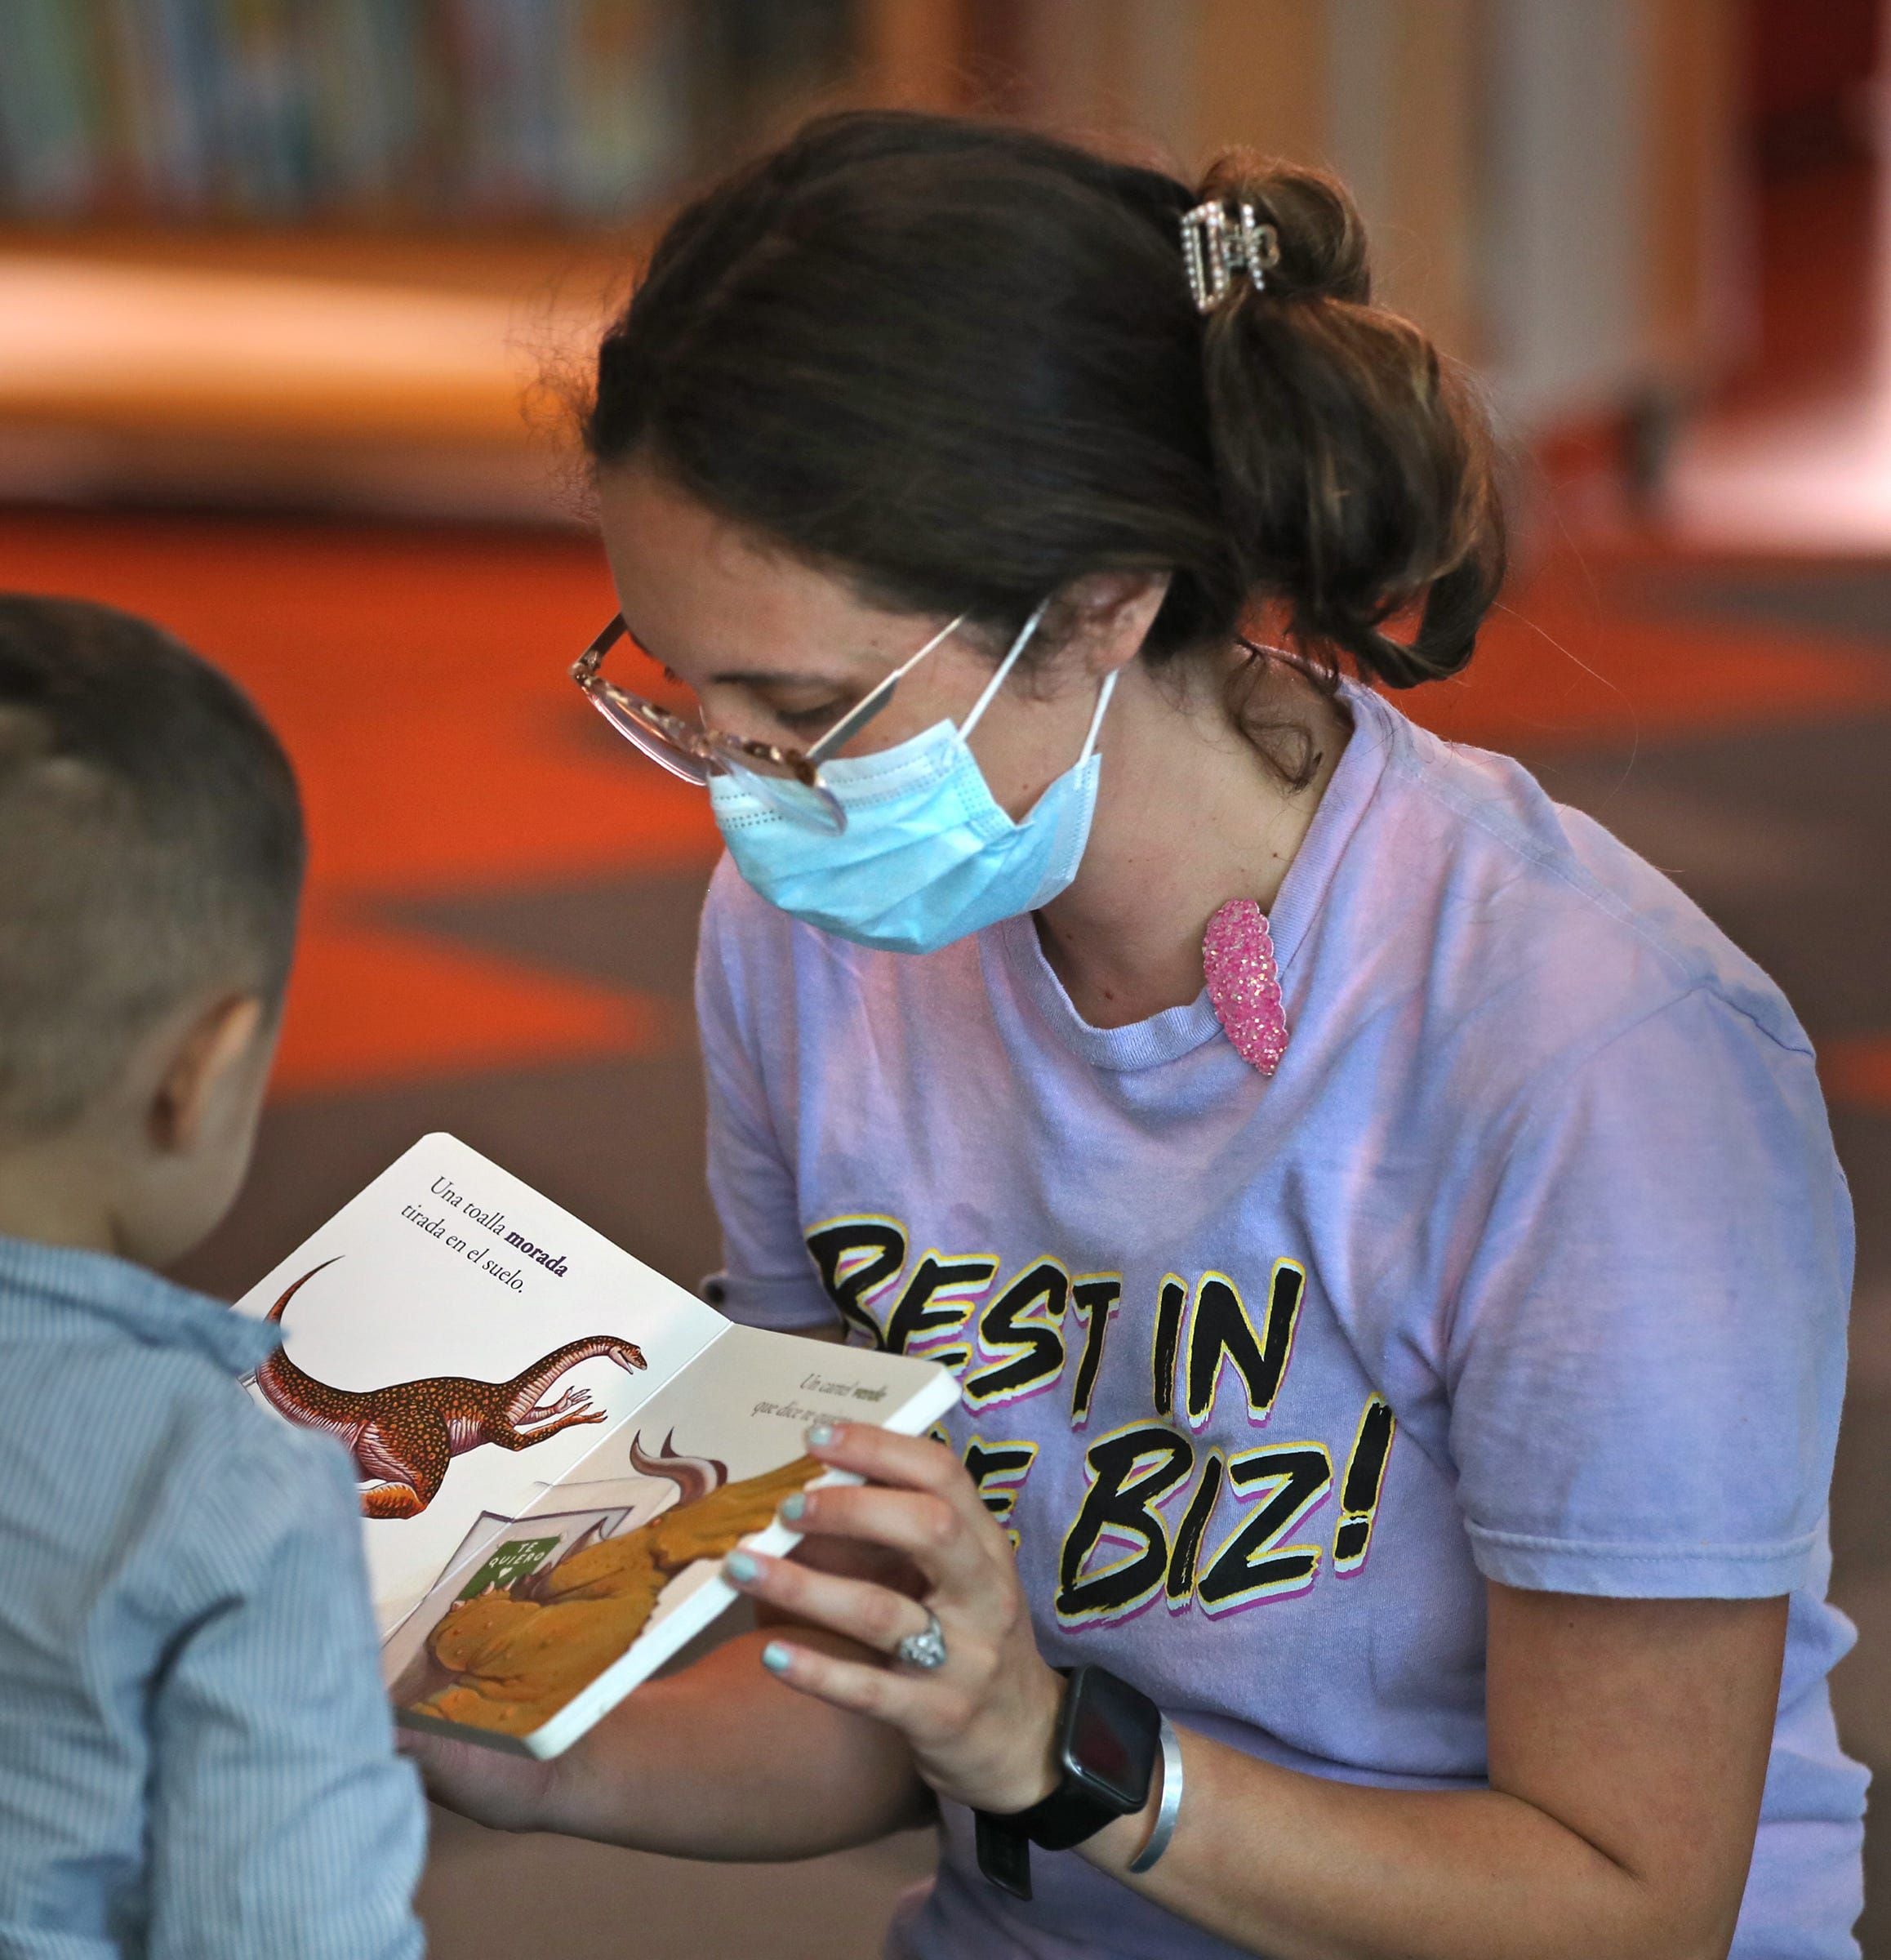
282,1822
1646,1361
768,1277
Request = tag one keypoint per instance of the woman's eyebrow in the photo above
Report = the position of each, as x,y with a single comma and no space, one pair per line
741,677
772,677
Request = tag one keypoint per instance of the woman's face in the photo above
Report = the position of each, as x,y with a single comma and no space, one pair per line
775,650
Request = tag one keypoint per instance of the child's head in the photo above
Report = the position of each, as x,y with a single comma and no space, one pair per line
151,855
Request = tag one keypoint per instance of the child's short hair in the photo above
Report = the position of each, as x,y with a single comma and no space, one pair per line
150,844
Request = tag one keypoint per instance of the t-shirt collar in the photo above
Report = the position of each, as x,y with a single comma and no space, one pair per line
1379,730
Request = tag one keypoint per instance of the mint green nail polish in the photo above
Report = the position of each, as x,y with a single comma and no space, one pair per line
775,1658
742,1568
793,1506
819,1435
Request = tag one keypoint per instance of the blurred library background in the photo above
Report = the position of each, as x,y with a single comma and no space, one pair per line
293,295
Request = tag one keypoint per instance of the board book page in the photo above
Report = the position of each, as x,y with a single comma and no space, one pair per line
556,1446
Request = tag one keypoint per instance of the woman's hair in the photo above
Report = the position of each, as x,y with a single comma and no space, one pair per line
961,364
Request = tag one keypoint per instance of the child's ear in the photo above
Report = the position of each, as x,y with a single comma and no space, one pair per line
214,1045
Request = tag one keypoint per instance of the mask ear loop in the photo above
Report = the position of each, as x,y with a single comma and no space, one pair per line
1103,694
1004,667
1010,661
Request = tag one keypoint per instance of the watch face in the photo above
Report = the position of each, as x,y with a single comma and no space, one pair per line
1111,1737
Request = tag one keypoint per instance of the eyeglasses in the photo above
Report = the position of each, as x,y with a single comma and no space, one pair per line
788,780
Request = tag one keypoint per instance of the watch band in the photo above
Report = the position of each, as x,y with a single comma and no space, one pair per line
1064,1818
1170,1807
1109,1737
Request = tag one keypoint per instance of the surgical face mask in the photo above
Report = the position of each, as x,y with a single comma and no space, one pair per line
927,856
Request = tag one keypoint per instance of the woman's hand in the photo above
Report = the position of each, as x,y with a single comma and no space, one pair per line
715,1761
504,1792
981,1727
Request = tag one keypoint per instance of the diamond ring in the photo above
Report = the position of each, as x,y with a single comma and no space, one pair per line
925,1650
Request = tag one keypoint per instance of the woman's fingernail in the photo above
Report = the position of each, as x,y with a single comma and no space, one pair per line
742,1568
819,1435
775,1658
792,1507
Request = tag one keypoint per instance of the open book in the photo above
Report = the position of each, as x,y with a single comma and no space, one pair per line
557,1447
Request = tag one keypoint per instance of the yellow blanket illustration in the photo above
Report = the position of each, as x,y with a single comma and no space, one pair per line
513,1658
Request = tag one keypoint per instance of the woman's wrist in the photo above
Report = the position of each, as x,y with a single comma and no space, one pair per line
1121,1843
1035,1774
1168,1799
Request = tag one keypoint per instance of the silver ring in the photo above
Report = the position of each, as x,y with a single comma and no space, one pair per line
925,1650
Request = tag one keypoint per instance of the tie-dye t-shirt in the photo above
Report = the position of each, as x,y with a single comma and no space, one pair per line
1531,1262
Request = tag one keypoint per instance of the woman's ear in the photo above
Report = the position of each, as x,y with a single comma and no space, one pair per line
1103,617
205,1060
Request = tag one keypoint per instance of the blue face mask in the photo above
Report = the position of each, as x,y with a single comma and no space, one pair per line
928,857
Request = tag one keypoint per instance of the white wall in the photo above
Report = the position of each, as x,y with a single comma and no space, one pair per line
1562,204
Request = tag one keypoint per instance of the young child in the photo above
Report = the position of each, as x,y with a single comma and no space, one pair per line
196,1758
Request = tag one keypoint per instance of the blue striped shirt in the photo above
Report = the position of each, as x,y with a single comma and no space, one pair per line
196,1757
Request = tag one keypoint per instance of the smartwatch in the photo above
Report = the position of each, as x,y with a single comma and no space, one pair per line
1109,1738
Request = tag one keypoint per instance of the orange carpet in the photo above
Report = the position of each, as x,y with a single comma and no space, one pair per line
418,678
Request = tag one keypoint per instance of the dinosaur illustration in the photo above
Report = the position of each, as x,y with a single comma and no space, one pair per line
404,1437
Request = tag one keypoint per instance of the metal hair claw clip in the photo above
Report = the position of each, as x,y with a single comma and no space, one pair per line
1218,243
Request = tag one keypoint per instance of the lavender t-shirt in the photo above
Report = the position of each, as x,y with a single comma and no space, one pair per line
1531,1262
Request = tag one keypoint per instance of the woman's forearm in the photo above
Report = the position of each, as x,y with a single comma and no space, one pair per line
1303,1867
721,1761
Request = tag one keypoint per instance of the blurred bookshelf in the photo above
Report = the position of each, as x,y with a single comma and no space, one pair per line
388,116
317,251
324,252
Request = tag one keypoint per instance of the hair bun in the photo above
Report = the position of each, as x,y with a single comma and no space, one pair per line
1356,465
1322,240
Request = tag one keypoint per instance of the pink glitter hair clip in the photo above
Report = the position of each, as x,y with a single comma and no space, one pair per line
1243,987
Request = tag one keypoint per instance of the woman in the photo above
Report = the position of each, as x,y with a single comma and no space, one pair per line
1403,1376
